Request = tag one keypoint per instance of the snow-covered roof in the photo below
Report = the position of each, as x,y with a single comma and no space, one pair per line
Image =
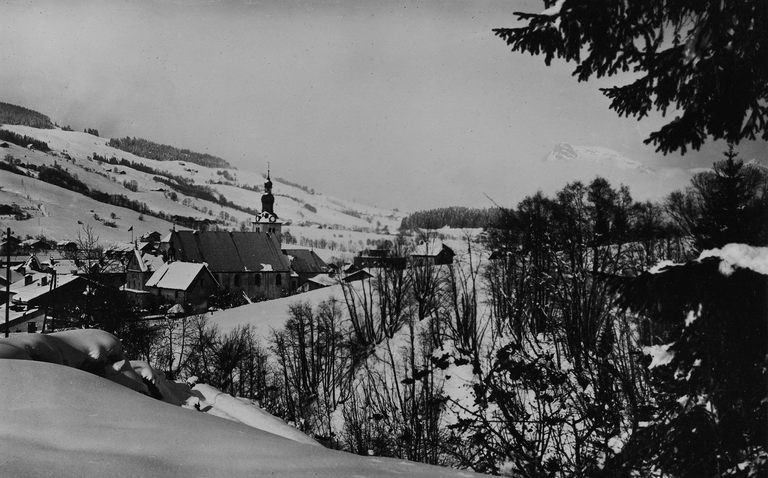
428,249
323,280
24,293
146,262
175,275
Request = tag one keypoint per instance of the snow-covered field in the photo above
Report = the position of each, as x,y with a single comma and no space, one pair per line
63,422
271,314
58,420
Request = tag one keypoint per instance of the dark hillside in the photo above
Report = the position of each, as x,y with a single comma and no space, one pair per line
12,114
458,217
163,152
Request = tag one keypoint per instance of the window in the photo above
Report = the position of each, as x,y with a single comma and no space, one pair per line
257,278
278,280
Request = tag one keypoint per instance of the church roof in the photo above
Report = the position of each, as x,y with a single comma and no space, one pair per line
229,251
305,261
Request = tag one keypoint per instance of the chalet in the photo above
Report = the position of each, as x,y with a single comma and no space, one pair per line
355,275
153,236
432,254
66,246
248,261
183,283
140,268
305,264
36,294
379,258
318,282
4,145
11,243
35,245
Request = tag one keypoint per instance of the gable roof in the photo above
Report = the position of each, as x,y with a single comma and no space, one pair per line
305,261
144,262
225,251
15,275
427,249
176,275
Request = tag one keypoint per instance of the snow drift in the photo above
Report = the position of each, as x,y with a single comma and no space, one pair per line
60,421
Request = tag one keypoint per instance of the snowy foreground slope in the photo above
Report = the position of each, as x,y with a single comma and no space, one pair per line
60,421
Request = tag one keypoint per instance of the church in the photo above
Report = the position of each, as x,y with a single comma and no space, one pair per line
252,262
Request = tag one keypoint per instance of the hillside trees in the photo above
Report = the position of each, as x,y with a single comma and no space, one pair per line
727,204
707,61
313,360
560,384
456,217
23,140
163,152
12,114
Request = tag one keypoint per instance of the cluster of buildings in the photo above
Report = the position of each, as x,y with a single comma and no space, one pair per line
184,269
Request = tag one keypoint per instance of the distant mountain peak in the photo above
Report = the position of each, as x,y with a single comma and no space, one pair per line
595,155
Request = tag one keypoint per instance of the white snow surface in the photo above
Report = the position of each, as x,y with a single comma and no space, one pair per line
245,411
660,354
739,256
79,424
175,275
271,314
60,421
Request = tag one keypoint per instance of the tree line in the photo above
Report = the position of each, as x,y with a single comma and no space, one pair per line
163,152
23,140
12,114
456,217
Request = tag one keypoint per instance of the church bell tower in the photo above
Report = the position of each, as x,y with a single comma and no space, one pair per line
267,221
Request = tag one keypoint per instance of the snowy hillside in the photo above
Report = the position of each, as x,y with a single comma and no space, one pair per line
568,163
64,421
303,210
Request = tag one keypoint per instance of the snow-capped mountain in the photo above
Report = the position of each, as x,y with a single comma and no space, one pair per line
567,162
604,157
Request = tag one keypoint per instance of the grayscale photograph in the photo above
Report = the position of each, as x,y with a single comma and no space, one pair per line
360,238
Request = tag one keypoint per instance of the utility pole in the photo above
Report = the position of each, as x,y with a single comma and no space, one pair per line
7,278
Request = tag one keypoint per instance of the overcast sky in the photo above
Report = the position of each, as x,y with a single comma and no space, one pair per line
406,105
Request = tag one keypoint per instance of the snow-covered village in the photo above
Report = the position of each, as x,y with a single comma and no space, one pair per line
362,239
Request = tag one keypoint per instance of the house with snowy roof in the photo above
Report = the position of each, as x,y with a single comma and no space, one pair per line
305,264
37,294
183,283
432,253
139,269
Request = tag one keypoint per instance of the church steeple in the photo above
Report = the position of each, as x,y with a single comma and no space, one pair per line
267,221
267,199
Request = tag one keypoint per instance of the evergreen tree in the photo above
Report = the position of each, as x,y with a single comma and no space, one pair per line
709,374
706,59
728,204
